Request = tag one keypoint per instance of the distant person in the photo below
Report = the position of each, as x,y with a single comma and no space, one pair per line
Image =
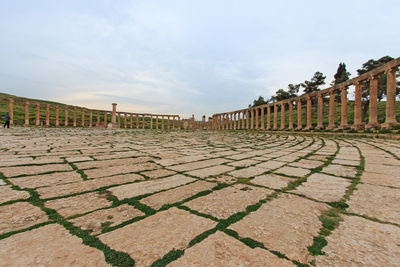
7,119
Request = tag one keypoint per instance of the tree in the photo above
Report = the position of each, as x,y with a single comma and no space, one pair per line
258,102
341,75
313,85
293,90
368,66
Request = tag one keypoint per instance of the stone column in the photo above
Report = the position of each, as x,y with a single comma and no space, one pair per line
125,120
247,119
343,111
373,102
131,120
275,116
357,106
256,114
173,122
143,122
252,119
157,122
114,113
74,118
268,117
299,119
179,123
168,123
162,122
151,121
390,120
331,110
231,122
290,115
11,110
243,120
119,119
105,118
37,122
65,116
26,112
137,121
90,118
309,113
320,124
234,121
283,115
98,119
57,117
83,117
47,114
262,118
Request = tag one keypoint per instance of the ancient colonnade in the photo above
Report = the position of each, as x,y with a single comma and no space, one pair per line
265,117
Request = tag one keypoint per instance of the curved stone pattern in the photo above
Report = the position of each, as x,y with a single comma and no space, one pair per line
207,198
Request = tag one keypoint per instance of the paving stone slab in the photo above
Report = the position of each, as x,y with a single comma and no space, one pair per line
291,171
248,172
78,204
220,249
272,180
243,163
30,170
222,179
123,169
376,201
98,220
88,185
346,162
228,201
150,239
111,162
384,169
324,187
271,164
156,201
210,171
50,245
19,216
197,165
287,224
381,179
146,187
46,179
8,194
340,170
78,159
158,173
361,242
307,164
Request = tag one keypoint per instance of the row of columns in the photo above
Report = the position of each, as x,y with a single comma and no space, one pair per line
171,121
254,118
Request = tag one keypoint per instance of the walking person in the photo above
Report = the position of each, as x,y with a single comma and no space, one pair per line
7,119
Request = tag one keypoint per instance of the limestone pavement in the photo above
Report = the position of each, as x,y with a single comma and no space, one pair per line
93,197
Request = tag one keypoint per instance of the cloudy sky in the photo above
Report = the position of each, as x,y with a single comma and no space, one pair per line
184,57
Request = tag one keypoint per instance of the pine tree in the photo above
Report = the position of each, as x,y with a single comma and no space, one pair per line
313,85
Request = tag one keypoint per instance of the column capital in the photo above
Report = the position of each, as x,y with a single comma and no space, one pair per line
11,100
308,97
373,76
332,91
391,70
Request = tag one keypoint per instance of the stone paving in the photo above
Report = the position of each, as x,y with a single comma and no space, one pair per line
95,197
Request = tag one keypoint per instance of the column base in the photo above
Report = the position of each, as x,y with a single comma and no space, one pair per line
343,127
358,126
372,125
331,127
299,128
319,128
308,128
290,128
113,126
388,125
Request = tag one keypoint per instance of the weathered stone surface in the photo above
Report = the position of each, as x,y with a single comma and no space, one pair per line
361,242
47,179
228,201
19,216
346,162
197,165
98,220
271,164
156,201
8,194
323,187
307,164
30,170
78,204
222,179
220,249
243,163
89,185
291,171
50,245
78,159
146,187
287,224
377,202
210,171
272,180
340,170
112,162
158,173
123,169
150,239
